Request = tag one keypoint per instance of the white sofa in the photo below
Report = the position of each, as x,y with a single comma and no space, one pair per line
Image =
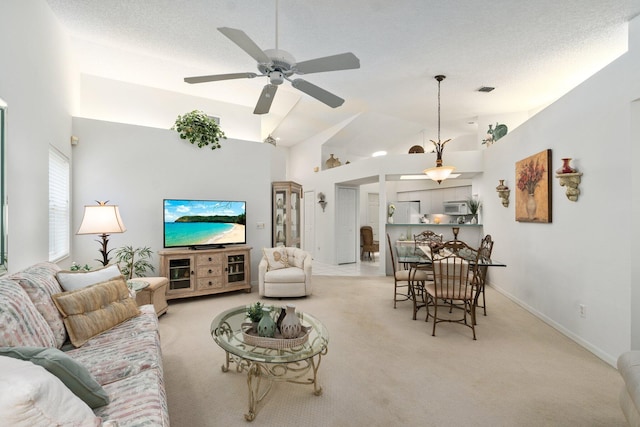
284,272
629,368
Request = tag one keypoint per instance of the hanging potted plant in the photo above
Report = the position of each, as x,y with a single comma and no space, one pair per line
198,128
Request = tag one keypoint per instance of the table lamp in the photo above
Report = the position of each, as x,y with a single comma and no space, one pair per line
102,219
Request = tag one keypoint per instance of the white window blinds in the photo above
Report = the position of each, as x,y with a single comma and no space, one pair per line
59,178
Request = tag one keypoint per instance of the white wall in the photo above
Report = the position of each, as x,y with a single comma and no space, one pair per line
583,256
38,82
116,101
136,167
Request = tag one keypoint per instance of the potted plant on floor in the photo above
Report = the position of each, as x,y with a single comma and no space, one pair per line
129,265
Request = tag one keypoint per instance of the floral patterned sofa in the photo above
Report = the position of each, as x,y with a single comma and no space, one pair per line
122,364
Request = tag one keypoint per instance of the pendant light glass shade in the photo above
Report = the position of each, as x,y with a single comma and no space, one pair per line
439,173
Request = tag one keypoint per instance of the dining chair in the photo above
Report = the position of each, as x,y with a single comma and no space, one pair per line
402,290
484,251
452,286
367,244
426,238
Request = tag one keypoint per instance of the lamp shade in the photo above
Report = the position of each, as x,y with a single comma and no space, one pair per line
439,173
101,219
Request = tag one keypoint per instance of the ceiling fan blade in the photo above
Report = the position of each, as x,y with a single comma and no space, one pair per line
265,100
240,38
318,93
217,77
343,61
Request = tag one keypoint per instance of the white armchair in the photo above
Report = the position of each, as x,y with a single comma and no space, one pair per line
284,272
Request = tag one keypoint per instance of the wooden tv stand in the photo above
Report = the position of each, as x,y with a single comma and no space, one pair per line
206,271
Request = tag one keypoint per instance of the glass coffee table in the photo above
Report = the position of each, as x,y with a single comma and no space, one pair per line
298,364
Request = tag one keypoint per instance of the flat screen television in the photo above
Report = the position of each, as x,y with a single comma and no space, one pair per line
202,224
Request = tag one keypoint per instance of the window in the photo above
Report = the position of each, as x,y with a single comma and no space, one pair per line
58,205
3,205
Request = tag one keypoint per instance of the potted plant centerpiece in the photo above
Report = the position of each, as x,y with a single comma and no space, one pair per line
254,313
474,206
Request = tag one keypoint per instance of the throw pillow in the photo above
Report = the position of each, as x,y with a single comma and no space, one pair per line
90,311
75,376
72,280
276,258
296,257
31,396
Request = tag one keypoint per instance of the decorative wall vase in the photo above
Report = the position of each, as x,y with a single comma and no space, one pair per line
503,193
266,326
290,326
566,167
532,206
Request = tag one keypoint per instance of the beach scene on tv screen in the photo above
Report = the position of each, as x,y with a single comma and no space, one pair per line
203,222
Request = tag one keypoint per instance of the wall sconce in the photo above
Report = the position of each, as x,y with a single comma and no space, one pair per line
503,193
569,177
321,201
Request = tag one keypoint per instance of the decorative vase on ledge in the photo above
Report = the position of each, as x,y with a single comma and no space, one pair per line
566,167
390,221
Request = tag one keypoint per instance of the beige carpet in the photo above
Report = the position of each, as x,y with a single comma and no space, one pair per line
384,369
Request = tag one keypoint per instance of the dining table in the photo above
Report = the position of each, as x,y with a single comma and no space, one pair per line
419,258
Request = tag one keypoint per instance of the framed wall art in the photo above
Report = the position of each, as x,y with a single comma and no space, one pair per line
533,195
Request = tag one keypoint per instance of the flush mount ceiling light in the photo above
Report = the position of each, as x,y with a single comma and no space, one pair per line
379,153
439,173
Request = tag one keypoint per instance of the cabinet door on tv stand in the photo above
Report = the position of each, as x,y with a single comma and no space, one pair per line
179,270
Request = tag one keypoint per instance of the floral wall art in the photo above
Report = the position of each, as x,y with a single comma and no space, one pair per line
533,195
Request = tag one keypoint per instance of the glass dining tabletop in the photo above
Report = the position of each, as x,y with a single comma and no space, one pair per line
409,255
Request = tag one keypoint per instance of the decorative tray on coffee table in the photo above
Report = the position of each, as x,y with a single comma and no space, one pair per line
251,337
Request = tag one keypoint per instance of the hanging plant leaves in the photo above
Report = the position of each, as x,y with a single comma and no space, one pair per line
198,128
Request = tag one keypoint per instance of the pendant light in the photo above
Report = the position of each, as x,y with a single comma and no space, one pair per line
439,173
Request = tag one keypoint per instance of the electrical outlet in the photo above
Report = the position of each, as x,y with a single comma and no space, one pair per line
583,310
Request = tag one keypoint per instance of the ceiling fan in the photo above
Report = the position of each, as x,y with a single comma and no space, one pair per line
279,65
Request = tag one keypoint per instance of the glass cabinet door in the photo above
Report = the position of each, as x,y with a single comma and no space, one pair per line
286,213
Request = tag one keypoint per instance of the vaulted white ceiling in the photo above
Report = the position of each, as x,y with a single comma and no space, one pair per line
532,52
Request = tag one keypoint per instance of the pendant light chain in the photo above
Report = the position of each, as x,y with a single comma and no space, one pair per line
439,80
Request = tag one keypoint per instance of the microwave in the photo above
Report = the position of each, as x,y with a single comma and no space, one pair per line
456,208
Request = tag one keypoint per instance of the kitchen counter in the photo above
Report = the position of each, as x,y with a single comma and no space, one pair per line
471,234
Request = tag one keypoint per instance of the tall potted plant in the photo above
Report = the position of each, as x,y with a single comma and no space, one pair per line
129,265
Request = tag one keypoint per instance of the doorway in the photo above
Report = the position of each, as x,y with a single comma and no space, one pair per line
346,225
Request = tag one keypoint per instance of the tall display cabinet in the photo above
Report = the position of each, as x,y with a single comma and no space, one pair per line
287,221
